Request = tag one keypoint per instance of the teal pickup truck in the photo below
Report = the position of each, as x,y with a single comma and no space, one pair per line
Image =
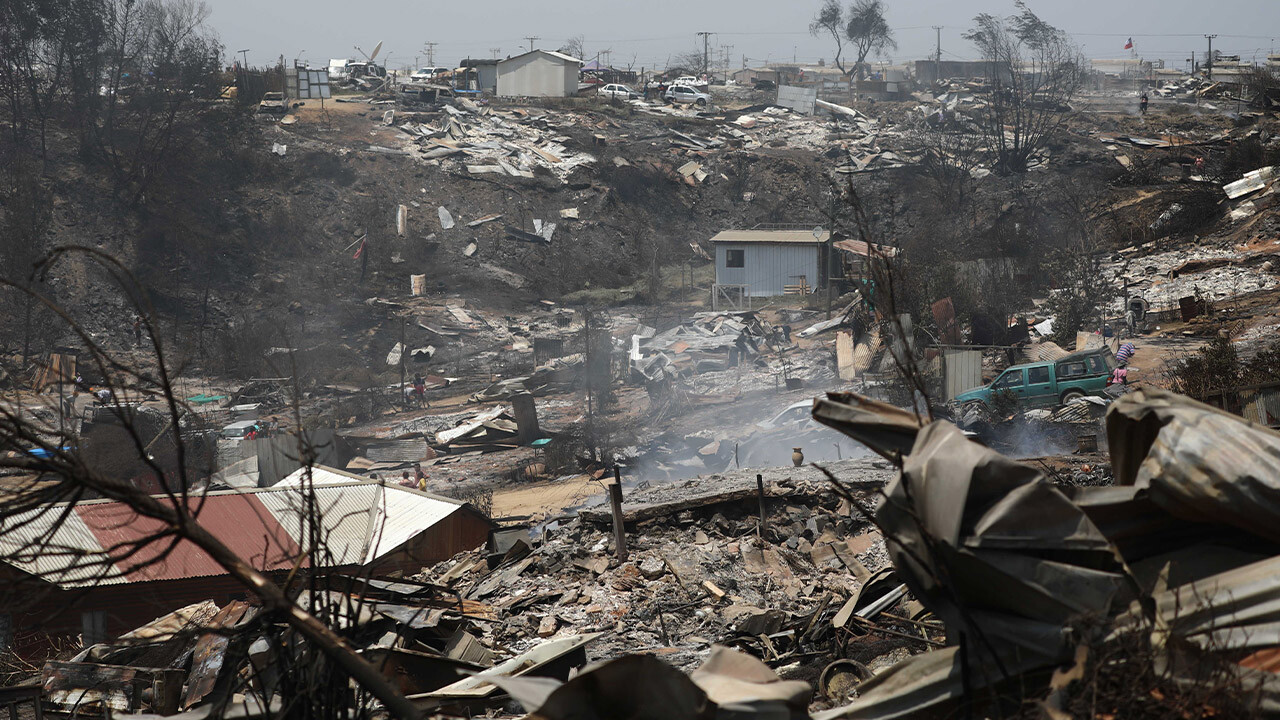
1048,384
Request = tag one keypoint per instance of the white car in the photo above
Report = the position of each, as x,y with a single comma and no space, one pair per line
427,74
689,80
797,413
614,91
686,94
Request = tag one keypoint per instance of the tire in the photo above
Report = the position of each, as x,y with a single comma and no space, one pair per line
701,102
1070,395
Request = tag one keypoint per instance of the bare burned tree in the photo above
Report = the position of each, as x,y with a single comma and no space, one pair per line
1034,72
161,68
57,476
1084,293
692,62
950,149
574,46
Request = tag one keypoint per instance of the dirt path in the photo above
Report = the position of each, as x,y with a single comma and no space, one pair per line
544,499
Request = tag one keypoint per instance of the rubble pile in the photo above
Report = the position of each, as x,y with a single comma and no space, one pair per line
697,571
1145,565
485,141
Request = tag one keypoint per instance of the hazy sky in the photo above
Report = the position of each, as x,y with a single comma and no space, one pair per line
648,33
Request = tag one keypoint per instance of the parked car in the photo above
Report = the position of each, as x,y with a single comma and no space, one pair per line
615,91
427,74
238,430
1048,384
273,103
796,414
689,80
686,94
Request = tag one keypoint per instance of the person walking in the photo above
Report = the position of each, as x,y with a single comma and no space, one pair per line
1142,104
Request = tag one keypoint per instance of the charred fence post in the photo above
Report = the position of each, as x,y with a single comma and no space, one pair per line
760,495
615,499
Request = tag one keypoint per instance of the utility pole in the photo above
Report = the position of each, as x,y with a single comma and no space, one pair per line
706,48
937,57
725,49
244,56
495,52
430,49
1208,61
531,39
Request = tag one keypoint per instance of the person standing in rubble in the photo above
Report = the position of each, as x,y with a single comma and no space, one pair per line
137,331
1142,104
419,390
420,476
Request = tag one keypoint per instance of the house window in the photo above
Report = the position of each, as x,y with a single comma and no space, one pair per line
93,626
735,258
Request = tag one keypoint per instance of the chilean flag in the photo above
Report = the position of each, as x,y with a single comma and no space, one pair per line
1129,45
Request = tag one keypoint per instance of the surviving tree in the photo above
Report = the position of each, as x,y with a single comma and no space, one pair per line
862,26
830,21
1034,72
868,32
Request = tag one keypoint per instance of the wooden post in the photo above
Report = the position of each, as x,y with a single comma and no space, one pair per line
760,496
615,499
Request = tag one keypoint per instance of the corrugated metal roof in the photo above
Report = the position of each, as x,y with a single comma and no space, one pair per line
344,517
70,557
361,521
239,520
552,53
320,475
771,236
404,514
858,247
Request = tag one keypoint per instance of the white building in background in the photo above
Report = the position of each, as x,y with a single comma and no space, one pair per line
769,262
539,73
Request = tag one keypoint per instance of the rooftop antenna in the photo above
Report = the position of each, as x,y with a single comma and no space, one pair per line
371,56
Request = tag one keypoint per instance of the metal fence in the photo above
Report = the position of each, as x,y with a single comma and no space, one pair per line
1256,403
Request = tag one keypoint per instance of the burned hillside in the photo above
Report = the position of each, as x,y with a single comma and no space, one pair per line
540,386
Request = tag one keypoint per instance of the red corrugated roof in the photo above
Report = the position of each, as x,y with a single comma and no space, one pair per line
240,521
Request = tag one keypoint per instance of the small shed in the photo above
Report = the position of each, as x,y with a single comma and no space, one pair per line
484,71
770,262
538,73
